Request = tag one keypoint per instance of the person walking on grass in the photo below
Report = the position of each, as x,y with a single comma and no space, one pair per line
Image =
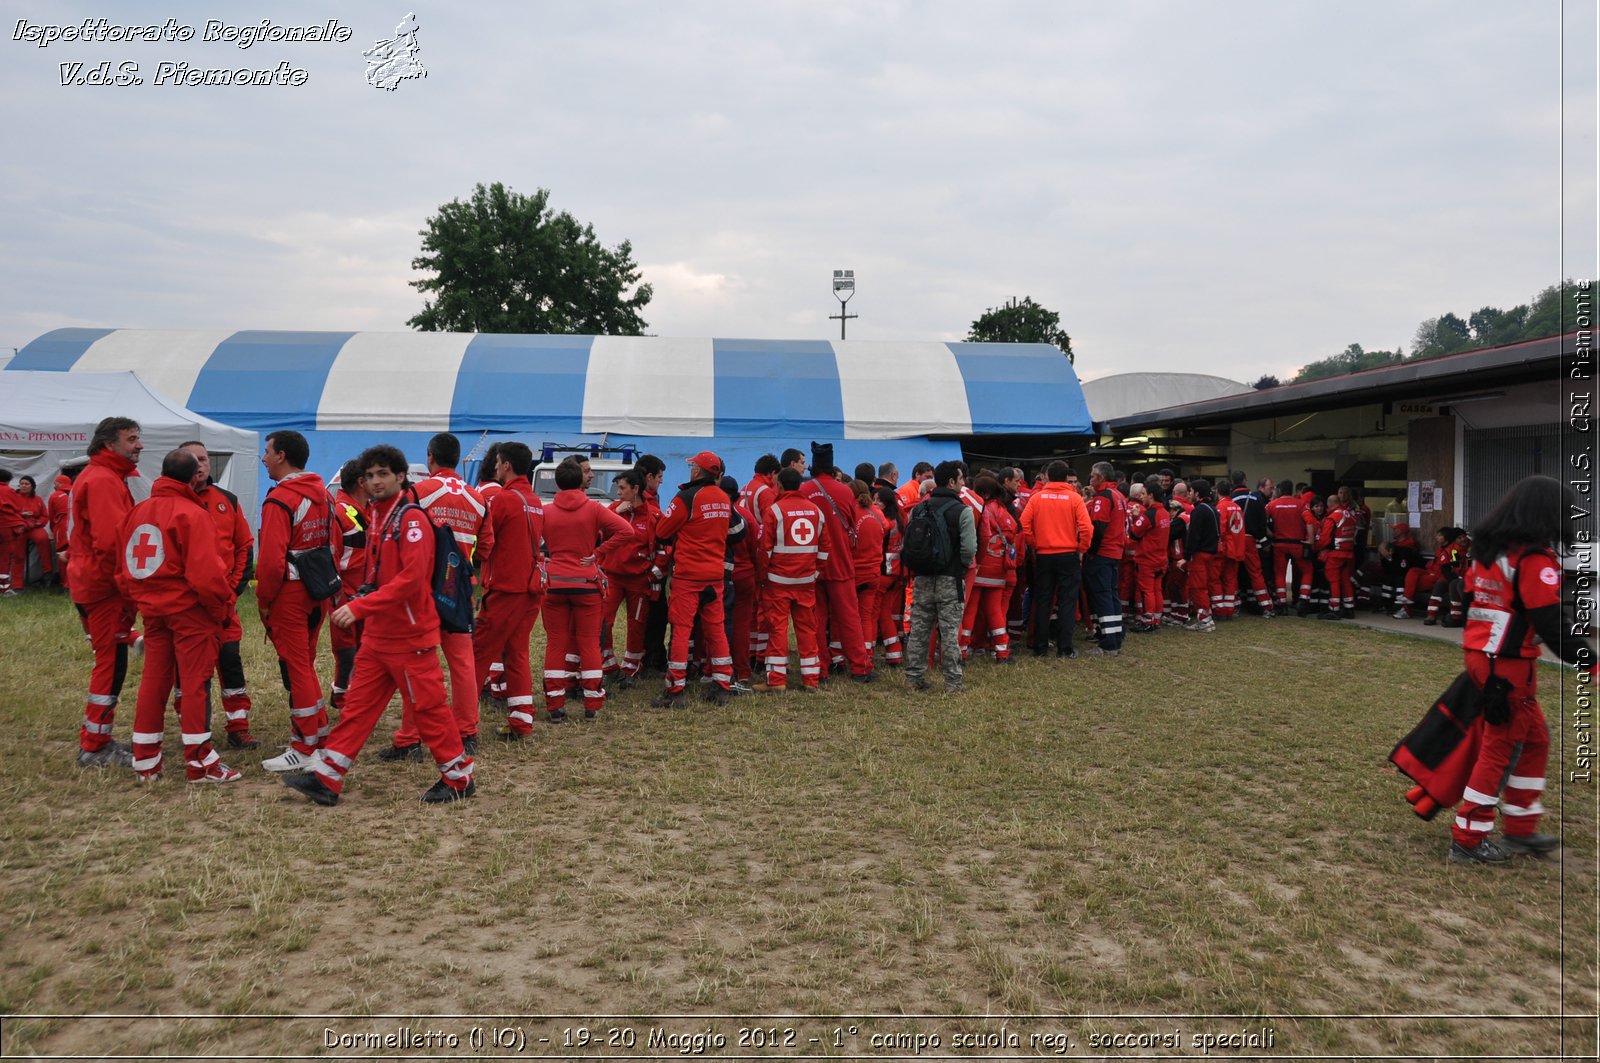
399,645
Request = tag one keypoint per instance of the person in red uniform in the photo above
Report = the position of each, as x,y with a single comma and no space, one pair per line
754,498
911,492
513,583
349,512
889,625
1202,541
697,522
399,645
13,539
1286,526
1515,583
996,566
1337,547
1151,531
296,516
1108,512
792,531
100,500
494,690
60,509
574,525
1230,553
35,527
1253,507
838,616
743,582
872,534
234,543
172,571
449,503
1176,587
626,561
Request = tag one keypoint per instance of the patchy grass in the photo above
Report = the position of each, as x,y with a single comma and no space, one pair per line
1204,827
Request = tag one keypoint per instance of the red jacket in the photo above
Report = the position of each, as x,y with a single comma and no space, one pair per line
399,614
509,555
1504,592
1108,512
1338,534
997,546
60,508
350,556
749,562
169,562
31,509
697,520
872,529
1286,519
233,533
628,557
792,532
100,499
10,509
1152,531
838,506
758,494
574,527
452,504
295,516
1230,529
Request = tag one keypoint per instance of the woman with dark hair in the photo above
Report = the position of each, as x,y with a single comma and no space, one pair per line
872,534
996,572
36,525
1515,583
889,625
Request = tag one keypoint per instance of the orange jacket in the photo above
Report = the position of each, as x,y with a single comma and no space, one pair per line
1057,521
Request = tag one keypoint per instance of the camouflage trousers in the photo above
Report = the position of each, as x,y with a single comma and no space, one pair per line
935,604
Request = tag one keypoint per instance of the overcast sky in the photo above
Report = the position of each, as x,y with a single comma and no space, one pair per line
1234,188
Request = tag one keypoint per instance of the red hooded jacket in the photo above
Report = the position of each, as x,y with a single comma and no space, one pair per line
628,557
997,546
574,526
60,509
100,499
838,505
872,529
169,562
509,555
399,615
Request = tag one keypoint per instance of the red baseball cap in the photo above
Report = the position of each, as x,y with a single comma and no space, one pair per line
707,461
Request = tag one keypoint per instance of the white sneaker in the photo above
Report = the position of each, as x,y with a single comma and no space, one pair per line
290,760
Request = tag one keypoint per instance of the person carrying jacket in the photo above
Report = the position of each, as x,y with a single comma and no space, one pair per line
172,571
100,501
936,597
449,503
792,531
296,516
234,543
574,525
1057,529
697,523
399,645
513,583
837,611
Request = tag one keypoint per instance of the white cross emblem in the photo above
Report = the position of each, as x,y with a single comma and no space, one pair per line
803,531
145,551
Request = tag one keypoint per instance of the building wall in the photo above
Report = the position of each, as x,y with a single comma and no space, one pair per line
1431,455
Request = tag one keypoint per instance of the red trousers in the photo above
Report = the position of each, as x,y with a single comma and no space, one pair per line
13,558
179,650
503,631
1176,589
637,598
781,602
1341,588
1251,577
378,674
572,649
690,599
1419,582
869,601
1282,555
1514,753
891,613
1227,581
1127,581
1149,602
992,605
293,623
741,629
757,652
838,616
1203,584
109,623
458,659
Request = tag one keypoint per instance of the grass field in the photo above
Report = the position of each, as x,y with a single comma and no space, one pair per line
1204,833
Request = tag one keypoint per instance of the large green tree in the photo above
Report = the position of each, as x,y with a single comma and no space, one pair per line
1022,321
1352,359
505,262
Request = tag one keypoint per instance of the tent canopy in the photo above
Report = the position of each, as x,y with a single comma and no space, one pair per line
650,386
48,418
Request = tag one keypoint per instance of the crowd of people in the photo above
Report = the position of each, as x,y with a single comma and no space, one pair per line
870,573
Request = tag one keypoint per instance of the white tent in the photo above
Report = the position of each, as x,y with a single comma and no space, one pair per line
47,419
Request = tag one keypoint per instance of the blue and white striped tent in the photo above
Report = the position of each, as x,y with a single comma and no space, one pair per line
876,401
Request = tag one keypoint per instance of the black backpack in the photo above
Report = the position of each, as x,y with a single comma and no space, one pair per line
927,549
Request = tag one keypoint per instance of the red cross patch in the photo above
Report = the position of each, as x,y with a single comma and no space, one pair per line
144,552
